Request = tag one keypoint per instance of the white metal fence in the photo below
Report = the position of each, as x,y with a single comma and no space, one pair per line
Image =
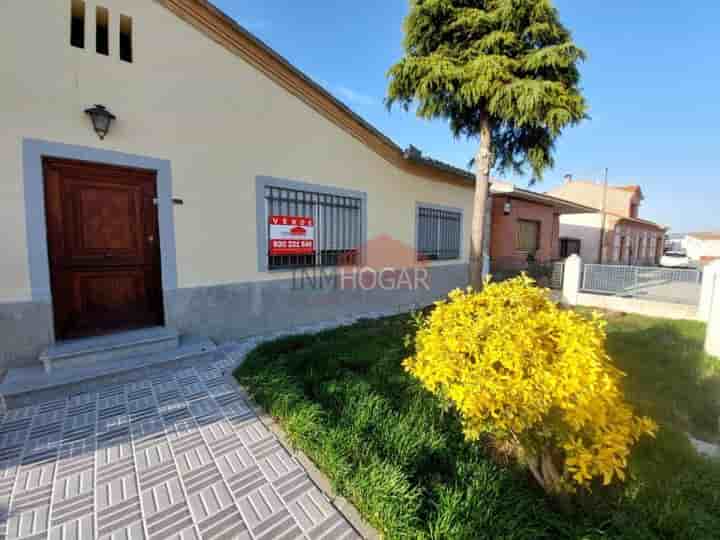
667,284
557,276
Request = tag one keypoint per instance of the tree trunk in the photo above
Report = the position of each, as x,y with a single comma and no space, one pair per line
483,162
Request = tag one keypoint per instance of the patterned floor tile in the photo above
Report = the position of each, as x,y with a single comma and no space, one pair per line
72,510
277,464
334,528
113,450
165,509
133,531
179,455
151,456
294,484
73,483
317,517
29,525
118,517
82,528
226,524
267,516
244,483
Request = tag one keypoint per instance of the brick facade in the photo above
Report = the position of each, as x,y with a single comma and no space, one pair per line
504,242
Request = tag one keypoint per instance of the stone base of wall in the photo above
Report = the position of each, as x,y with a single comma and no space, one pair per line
236,311
26,329
648,308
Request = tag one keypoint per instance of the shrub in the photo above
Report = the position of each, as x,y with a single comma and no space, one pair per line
533,376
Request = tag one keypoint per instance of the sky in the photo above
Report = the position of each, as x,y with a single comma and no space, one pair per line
652,81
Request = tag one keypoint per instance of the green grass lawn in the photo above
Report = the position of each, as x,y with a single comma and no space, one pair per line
344,399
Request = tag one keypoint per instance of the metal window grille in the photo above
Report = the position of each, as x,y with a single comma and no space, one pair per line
439,234
338,226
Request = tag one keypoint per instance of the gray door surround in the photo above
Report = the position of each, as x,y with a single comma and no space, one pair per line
26,328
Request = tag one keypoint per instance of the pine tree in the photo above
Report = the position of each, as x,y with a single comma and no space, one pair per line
504,71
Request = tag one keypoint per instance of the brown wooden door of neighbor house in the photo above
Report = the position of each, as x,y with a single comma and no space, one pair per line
104,248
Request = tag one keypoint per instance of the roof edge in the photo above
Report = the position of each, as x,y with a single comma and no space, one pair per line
620,217
506,189
704,235
224,30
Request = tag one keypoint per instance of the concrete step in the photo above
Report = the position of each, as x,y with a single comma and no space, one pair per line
90,351
23,386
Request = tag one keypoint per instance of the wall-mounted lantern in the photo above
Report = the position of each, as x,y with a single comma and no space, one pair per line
508,207
101,119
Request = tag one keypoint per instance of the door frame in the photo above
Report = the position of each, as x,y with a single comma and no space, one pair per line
35,217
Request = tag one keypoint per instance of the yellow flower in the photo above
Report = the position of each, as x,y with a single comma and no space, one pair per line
516,365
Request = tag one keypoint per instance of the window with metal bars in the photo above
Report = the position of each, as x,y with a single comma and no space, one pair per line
439,233
338,226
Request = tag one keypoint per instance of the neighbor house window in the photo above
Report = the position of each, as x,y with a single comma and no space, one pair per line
102,32
77,24
335,223
126,45
439,233
528,236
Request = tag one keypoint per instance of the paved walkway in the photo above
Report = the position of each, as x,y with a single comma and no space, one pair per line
180,455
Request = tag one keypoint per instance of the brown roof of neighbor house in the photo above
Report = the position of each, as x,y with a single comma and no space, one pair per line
631,188
705,235
225,31
620,217
499,188
627,188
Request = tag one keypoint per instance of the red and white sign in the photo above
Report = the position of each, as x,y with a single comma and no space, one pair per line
292,235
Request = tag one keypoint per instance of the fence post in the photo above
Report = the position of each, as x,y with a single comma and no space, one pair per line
712,340
571,280
709,283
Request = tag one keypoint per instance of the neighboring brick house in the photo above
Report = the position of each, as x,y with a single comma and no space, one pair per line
624,236
526,225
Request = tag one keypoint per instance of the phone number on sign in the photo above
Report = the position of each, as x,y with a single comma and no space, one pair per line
292,247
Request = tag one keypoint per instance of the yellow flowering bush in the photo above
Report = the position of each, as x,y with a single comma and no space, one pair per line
535,377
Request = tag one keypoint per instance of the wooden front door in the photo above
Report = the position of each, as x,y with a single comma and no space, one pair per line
104,248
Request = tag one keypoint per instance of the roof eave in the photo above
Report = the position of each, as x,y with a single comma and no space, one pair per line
225,31
503,189
639,221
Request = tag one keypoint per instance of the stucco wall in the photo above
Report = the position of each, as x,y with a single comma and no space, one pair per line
593,195
188,100
586,228
698,249
220,124
505,228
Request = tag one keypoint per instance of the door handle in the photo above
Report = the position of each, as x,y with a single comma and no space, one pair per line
107,255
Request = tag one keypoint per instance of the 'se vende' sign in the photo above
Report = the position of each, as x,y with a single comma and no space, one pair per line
292,235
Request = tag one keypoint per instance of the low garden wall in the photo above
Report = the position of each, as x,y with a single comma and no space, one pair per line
649,308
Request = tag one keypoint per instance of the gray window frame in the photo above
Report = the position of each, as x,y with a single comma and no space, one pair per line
263,182
432,206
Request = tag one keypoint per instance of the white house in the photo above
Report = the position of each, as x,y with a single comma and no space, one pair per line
166,218
703,247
